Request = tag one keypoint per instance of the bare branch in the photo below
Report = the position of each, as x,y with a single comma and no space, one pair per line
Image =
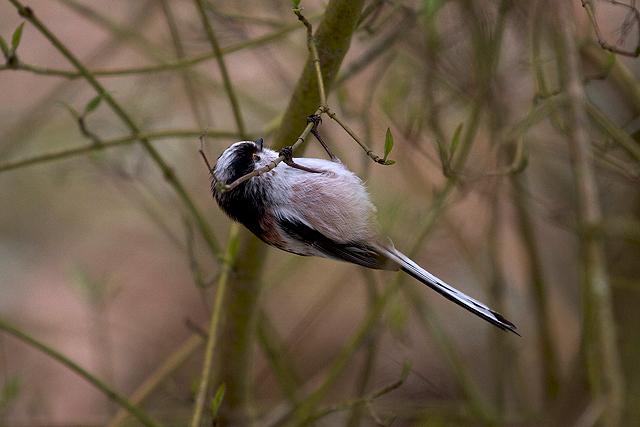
313,52
634,15
355,137
368,399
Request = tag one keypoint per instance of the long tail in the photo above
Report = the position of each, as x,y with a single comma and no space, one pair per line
449,292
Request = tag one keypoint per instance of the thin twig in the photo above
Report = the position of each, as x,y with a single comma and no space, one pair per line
137,412
234,230
159,68
272,165
599,329
313,52
167,171
323,108
214,324
276,354
199,106
367,400
228,86
110,143
355,137
382,46
160,374
88,133
590,9
538,286
203,155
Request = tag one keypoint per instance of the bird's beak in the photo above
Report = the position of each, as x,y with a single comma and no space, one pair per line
259,143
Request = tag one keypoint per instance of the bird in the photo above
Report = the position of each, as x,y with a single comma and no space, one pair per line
318,207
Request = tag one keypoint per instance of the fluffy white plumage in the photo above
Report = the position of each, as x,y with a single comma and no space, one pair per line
327,213
334,202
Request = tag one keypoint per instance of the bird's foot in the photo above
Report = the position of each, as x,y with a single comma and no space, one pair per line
287,155
317,121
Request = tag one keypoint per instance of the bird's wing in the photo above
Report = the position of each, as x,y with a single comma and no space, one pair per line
333,202
303,239
328,214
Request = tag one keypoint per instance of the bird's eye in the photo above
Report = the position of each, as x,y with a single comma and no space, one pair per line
256,157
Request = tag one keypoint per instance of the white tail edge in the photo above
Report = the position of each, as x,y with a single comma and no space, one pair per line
449,292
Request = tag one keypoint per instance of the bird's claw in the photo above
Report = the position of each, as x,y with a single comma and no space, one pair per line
287,156
315,119
287,153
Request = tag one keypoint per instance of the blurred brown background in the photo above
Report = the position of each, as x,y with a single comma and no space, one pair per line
100,259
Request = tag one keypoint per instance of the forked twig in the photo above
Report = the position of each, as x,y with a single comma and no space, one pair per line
589,7
204,156
311,125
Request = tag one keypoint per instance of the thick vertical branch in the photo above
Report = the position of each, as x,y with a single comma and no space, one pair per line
229,261
599,331
332,41
538,286
214,326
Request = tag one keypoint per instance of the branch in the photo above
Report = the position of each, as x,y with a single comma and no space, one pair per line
313,53
138,413
173,362
200,108
234,231
438,205
228,86
214,324
110,143
367,400
323,108
159,68
591,13
167,171
355,137
599,329
332,39
272,165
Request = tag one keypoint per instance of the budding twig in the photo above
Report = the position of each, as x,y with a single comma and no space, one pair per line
355,137
204,156
322,109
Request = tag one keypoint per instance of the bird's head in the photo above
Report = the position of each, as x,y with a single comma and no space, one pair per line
240,159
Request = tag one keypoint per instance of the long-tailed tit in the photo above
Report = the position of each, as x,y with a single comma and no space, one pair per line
318,207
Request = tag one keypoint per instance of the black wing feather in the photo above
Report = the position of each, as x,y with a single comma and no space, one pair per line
354,252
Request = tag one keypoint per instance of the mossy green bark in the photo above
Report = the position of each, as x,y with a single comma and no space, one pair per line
333,38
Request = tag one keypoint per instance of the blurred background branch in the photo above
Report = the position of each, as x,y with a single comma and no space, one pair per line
516,130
